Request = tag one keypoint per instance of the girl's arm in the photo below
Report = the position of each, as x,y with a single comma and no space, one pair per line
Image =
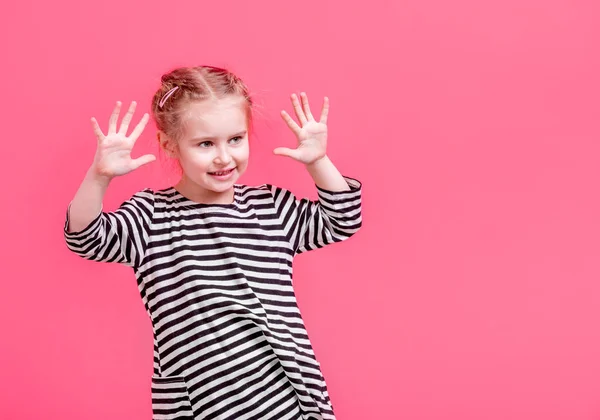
337,214
87,203
113,158
120,236
327,176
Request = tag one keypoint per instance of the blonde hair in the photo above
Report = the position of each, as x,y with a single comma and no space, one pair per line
186,84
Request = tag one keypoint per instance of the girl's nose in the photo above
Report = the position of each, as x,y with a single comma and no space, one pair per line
223,157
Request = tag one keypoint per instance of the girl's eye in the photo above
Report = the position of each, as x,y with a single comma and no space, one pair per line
205,144
235,140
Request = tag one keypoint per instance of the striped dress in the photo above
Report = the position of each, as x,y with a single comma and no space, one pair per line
216,282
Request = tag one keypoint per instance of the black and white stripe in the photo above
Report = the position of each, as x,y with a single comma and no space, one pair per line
216,281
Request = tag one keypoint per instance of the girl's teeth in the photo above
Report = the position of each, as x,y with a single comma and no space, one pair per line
221,173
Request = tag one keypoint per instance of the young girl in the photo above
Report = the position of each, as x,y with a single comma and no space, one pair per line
213,258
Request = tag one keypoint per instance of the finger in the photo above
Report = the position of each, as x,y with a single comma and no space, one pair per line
291,123
140,127
127,119
284,151
143,160
325,110
306,107
97,130
114,117
298,109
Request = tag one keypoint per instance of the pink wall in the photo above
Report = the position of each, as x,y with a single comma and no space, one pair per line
473,290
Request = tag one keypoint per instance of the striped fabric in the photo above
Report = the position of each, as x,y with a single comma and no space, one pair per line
216,281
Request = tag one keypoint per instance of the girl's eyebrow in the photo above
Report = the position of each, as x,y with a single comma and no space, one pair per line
241,133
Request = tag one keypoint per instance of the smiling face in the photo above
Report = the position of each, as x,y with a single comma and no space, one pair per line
213,148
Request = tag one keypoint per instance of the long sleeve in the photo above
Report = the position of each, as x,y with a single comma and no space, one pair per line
120,236
309,225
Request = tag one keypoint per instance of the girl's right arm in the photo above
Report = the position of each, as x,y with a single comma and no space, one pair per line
87,203
116,236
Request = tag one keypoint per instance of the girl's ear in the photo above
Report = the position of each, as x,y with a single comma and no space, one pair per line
167,144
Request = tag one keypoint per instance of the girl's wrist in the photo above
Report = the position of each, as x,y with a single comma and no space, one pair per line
316,163
95,176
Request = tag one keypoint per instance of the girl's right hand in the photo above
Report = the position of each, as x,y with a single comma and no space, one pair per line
113,155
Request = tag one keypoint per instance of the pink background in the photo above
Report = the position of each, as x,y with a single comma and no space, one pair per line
473,290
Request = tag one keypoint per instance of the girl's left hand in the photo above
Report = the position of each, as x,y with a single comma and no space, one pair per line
311,134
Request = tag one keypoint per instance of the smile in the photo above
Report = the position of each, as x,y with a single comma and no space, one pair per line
222,174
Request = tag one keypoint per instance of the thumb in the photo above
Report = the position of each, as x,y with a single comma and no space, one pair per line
143,160
284,151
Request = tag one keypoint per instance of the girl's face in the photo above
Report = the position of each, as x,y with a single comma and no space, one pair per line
213,150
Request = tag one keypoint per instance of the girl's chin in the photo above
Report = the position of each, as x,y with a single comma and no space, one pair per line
220,185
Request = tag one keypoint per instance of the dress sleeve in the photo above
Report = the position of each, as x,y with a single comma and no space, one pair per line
120,236
309,225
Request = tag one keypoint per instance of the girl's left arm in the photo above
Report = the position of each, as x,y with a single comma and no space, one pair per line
327,176
336,215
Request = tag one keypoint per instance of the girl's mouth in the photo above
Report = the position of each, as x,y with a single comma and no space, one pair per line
222,174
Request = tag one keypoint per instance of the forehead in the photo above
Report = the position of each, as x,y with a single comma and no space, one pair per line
214,117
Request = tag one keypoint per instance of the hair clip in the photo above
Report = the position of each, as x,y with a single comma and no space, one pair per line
167,95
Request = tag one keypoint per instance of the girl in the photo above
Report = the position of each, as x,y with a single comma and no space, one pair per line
213,258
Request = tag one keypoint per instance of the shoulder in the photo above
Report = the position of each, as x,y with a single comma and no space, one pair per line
259,190
147,195
251,190
260,194
141,201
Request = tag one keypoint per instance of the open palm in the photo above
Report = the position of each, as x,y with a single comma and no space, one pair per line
311,134
113,154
